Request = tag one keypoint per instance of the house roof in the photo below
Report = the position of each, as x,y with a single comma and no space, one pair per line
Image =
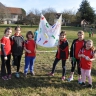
14,10
84,22
2,7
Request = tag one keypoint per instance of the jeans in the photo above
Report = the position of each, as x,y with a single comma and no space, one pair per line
29,64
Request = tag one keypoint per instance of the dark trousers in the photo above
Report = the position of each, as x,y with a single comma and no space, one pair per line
63,66
5,65
89,35
74,65
17,60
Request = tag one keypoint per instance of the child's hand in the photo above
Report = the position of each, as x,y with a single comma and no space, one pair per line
70,59
87,58
5,58
28,51
82,55
57,46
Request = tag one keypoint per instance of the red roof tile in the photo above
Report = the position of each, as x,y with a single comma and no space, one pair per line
14,10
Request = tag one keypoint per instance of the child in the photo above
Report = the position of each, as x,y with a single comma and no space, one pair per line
6,54
62,54
77,44
35,35
30,48
90,33
86,55
17,48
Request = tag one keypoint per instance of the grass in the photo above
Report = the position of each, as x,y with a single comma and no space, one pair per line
41,84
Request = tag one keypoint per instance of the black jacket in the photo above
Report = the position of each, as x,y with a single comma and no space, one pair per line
17,44
73,47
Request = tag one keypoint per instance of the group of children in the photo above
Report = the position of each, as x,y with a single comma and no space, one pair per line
81,53
15,44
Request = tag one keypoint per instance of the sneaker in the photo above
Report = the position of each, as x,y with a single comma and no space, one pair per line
79,81
32,73
17,75
25,75
90,86
63,78
51,74
9,76
83,84
4,78
70,78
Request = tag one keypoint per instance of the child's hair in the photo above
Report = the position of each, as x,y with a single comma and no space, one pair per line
92,48
8,28
63,32
80,32
17,27
29,32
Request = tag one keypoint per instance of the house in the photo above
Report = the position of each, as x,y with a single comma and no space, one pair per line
84,24
15,14
11,15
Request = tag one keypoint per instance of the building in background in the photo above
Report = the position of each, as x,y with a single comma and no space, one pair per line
10,15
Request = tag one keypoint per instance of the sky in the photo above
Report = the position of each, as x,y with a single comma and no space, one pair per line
58,5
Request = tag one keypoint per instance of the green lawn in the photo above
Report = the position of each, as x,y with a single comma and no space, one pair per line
41,84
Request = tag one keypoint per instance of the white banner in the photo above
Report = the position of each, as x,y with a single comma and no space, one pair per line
48,35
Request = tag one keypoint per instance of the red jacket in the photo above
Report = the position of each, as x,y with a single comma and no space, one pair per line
85,64
30,45
63,51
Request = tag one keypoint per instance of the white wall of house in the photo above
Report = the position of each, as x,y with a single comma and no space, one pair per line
5,22
13,18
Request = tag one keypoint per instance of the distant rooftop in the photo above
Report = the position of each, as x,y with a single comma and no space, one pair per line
14,10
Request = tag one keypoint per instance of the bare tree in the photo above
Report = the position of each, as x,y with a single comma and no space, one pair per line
36,17
30,18
33,17
68,16
35,12
4,13
49,13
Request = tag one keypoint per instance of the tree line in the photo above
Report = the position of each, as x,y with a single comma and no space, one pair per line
70,17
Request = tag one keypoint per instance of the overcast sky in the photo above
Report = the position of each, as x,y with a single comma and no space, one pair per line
58,5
